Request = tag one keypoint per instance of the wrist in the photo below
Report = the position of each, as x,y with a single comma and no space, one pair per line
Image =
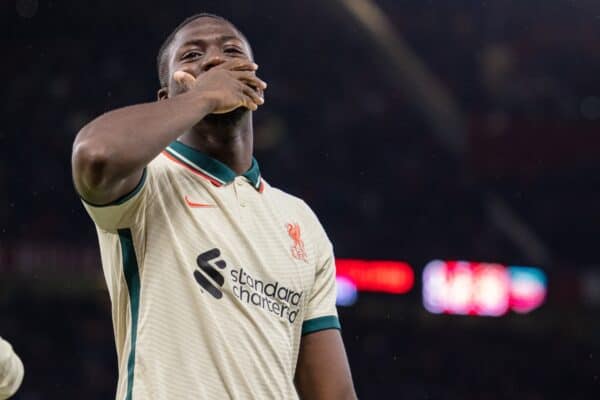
207,104
198,103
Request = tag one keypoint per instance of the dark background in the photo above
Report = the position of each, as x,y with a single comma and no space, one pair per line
504,166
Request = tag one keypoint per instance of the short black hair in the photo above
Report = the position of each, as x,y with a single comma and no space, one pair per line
161,59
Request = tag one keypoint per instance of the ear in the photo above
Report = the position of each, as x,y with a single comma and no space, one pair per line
162,94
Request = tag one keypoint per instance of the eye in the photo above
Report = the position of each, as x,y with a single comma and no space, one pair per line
233,50
191,55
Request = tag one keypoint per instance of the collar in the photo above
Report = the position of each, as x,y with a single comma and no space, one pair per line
213,170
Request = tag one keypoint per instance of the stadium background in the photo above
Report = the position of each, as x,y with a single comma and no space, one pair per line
417,130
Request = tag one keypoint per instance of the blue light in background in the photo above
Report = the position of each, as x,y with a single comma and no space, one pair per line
528,288
346,292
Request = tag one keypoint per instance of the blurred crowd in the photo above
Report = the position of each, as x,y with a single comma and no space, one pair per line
334,129
336,132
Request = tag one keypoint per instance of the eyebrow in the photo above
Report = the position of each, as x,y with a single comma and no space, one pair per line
200,42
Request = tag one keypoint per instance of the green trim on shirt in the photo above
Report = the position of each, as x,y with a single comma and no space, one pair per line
320,324
124,198
253,174
210,166
132,277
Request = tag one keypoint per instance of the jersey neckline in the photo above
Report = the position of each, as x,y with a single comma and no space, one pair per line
214,170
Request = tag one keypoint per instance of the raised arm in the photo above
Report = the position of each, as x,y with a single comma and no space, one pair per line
322,372
110,153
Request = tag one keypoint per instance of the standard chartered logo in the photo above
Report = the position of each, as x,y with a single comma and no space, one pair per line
272,297
208,269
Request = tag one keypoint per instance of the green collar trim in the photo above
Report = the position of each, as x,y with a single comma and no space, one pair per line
217,172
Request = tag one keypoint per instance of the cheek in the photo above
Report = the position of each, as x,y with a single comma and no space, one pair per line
174,88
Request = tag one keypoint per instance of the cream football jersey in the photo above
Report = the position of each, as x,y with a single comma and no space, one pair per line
11,370
213,280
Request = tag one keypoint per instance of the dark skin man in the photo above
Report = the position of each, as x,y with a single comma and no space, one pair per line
207,103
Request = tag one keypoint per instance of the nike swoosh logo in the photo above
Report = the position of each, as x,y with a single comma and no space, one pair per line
198,205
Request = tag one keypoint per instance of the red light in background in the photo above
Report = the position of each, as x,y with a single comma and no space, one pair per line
473,288
377,276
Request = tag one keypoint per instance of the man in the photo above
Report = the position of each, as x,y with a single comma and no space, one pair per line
222,286
11,370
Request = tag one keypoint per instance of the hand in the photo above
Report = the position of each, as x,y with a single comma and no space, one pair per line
227,86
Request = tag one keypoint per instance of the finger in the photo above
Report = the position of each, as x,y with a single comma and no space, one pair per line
250,78
184,79
245,66
254,95
239,64
250,104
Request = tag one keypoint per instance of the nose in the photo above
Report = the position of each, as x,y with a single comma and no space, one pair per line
212,59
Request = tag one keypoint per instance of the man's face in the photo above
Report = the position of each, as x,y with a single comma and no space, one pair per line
201,45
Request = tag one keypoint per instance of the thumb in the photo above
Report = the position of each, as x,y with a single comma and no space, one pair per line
184,79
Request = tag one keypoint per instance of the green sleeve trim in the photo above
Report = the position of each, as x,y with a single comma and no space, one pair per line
320,324
132,277
123,198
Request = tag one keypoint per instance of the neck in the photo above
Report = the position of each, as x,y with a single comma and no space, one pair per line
225,137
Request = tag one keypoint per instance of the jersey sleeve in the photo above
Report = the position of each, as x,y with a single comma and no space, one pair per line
321,312
11,370
125,211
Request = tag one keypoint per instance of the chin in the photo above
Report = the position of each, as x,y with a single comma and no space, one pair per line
228,119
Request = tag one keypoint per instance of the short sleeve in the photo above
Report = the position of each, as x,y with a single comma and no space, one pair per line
11,370
124,212
321,311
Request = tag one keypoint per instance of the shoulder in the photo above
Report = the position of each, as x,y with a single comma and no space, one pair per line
165,169
286,199
296,205
161,164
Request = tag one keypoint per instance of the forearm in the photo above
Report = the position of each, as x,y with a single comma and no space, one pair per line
122,142
11,370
